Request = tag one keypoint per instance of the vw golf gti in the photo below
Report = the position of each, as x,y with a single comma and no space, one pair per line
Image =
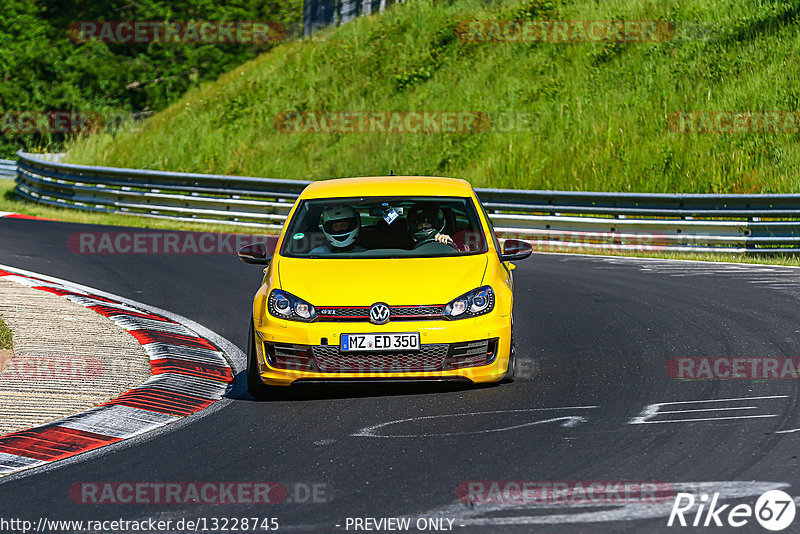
386,278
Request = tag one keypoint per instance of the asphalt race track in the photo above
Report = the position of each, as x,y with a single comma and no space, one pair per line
593,335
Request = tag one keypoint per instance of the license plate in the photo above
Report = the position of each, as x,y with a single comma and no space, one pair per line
408,341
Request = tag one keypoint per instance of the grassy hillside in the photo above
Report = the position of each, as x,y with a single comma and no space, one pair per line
600,109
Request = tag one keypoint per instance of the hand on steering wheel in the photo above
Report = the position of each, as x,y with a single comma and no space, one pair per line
439,238
446,239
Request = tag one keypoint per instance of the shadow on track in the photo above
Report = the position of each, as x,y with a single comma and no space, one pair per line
351,390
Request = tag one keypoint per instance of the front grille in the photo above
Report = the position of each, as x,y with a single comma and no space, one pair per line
336,313
291,357
470,354
397,313
331,360
430,357
414,311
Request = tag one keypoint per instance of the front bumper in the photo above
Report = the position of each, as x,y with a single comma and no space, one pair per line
444,344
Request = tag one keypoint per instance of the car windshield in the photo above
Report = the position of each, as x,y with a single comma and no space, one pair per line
372,227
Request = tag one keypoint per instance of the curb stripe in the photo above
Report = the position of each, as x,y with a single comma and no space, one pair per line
52,442
173,365
198,387
141,323
11,462
189,373
153,336
111,311
24,280
166,402
64,293
12,215
158,351
118,421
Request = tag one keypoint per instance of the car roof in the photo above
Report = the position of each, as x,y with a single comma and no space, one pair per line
390,186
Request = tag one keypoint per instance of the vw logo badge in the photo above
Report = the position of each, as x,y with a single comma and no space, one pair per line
379,313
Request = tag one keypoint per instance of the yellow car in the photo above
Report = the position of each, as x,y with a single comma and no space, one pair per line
388,278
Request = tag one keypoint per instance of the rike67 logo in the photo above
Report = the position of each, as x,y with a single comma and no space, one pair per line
774,510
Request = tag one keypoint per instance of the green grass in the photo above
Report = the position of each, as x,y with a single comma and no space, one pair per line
600,109
11,203
6,342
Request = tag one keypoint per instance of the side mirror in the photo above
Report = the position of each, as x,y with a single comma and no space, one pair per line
255,253
514,250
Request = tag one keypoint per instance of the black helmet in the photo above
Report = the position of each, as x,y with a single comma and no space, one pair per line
425,220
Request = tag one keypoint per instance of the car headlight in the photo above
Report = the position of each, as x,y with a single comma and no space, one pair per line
284,305
476,302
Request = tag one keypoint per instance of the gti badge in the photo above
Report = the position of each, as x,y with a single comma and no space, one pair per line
379,313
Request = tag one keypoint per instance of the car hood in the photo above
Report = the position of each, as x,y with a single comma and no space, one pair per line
397,282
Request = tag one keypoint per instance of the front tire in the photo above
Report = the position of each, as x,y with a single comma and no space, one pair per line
512,362
511,372
255,386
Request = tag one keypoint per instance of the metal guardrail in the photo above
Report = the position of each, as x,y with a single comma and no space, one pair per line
8,168
550,219
318,14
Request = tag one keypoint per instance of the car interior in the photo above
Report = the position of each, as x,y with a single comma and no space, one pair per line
380,237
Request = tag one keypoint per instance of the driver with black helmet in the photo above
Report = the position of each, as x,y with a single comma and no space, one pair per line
426,223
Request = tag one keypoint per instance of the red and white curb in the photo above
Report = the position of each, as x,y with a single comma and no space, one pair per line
12,215
190,371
